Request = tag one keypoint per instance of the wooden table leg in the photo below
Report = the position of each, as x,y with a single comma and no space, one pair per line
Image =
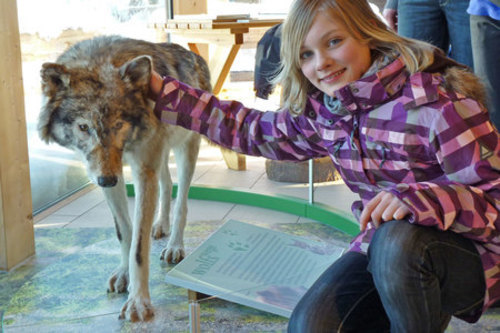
196,296
234,161
194,48
221,69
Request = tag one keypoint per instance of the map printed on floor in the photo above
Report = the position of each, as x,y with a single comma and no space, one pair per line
254,266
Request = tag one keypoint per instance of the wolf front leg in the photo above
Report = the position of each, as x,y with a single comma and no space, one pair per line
138,306
186,155
116,198
161,227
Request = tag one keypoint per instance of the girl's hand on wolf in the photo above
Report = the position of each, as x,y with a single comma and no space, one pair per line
155,85
384,207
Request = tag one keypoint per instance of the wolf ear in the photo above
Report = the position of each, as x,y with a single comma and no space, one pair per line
55,77
137,71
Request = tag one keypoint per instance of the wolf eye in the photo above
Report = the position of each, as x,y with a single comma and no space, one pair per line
83,127
118,125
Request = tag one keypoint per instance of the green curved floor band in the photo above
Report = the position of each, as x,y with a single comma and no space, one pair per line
317,211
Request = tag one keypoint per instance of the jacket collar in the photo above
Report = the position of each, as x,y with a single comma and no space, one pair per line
385,84
374,89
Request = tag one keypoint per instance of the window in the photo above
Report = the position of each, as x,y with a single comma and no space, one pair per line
47,28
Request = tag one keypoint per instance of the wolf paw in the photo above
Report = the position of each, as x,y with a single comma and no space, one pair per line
159,231
137,309
173,255
118,282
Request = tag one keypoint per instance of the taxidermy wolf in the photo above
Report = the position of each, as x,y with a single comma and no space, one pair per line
95,102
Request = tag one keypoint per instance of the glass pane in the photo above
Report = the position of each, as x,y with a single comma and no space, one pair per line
47,28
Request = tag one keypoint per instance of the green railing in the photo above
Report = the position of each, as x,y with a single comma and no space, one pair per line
316,211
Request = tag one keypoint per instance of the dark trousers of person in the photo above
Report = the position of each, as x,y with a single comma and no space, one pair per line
413,280
443,23
485,33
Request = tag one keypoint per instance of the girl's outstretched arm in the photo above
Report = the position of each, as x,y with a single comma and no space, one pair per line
275,135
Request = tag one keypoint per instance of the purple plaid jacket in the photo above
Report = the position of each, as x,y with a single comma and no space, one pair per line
434,149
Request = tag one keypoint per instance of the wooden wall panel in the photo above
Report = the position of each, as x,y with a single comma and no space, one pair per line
16,219
190,7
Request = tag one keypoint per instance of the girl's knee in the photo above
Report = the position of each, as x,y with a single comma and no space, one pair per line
306,319
394,244
297,322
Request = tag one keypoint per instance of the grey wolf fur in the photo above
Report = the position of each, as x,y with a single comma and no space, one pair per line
96,103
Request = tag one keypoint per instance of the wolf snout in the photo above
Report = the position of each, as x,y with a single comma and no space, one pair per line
107,181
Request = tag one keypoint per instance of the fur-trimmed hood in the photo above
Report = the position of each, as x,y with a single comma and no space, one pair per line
457,77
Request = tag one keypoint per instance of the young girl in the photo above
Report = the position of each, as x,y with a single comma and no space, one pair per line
407,130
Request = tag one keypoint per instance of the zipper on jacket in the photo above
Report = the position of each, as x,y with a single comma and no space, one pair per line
383,158
355,126
336,149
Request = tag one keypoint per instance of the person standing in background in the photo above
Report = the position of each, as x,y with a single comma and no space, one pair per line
444,24
485,38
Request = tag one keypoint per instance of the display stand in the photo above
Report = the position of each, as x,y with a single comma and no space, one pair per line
258,267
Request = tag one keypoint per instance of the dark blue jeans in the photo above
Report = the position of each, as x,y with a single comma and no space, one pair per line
443,23
412,280
485,32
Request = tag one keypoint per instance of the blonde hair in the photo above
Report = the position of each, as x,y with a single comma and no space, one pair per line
361,23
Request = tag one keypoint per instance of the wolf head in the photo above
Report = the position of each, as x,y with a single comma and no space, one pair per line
96,111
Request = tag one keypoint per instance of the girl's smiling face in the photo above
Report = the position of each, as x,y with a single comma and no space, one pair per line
330,57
